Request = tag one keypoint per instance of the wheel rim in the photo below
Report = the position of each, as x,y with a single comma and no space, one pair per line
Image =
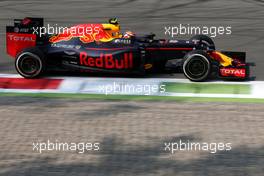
28,65
197,67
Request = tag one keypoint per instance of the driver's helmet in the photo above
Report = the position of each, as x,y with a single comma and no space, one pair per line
129,34
113,21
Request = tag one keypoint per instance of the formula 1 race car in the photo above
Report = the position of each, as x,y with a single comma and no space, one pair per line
102,48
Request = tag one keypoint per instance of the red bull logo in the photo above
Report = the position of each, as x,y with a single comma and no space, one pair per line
107,61
222,58
87,33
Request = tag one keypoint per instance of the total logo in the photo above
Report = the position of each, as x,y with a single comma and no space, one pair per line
237,72
107,61
20,38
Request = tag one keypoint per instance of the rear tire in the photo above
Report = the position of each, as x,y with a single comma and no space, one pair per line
30,63
197,66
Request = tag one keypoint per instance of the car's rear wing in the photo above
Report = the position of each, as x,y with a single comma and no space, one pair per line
22,34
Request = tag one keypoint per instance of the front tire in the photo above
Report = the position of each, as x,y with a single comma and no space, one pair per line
197,66
30,63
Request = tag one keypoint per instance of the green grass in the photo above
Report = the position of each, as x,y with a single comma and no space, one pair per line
129,97
203,88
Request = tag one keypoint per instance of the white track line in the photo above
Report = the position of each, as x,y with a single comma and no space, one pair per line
92,85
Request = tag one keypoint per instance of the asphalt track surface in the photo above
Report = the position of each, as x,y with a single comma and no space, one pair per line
131,136
131,133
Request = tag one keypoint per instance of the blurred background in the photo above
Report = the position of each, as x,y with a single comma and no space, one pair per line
145,16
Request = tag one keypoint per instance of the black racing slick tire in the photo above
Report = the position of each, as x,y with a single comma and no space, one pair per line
197,66
30,63
204,41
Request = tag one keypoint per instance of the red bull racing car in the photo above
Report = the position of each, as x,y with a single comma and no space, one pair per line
102,48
